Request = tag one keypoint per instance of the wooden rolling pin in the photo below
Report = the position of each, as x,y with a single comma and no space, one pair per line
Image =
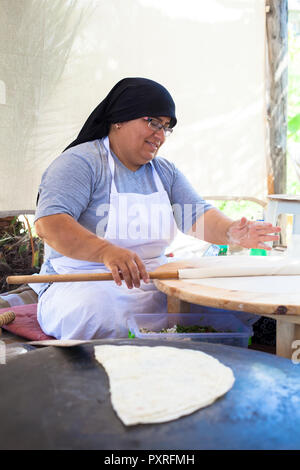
42,278
7,317
166,271
211,266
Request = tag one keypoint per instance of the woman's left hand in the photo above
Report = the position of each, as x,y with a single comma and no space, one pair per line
252,234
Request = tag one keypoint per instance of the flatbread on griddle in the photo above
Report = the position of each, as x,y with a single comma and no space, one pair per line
161,383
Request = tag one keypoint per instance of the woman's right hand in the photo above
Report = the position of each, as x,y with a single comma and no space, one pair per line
68,237
124,264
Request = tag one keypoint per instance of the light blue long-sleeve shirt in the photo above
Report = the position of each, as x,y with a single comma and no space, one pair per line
78,182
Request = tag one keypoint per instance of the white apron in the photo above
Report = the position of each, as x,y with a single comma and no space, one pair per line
86,310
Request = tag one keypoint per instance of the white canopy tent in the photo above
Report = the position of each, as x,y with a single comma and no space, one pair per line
59,58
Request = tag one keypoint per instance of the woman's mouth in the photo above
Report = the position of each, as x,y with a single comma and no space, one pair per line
152,145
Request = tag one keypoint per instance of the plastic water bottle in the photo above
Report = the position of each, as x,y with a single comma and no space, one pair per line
258,251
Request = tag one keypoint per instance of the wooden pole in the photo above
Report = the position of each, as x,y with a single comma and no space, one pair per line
277,92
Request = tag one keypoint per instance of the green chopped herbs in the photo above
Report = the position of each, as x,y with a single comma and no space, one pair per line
185,329
195,329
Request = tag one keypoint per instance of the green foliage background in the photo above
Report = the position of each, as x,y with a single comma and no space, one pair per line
293,184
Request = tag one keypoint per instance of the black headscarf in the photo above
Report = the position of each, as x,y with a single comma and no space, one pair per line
130,98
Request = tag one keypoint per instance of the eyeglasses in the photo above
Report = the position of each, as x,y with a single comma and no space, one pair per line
156,126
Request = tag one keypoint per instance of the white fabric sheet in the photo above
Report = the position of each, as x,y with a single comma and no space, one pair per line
59,60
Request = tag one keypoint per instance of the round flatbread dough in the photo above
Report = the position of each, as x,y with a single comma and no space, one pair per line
161,383
237,266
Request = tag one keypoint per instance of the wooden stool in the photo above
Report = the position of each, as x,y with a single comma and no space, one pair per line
284,204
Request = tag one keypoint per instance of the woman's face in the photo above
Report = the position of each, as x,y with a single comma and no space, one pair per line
135,143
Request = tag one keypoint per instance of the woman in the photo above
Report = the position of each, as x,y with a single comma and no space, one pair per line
108,203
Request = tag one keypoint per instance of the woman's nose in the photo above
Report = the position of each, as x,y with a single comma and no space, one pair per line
161,133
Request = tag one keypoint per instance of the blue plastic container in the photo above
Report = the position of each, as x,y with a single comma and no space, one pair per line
231,330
